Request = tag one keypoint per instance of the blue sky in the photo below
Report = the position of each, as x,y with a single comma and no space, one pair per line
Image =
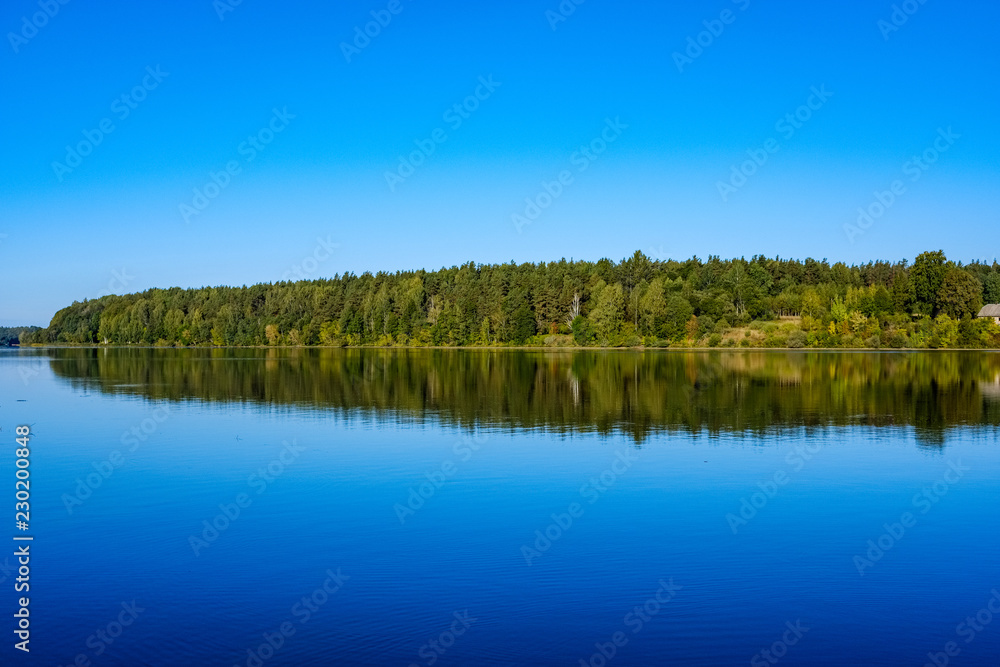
114,220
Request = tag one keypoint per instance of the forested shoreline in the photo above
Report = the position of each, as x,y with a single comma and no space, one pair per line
10,336
761,302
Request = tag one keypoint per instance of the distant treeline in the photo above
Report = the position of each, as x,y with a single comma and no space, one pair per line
10,335
759,302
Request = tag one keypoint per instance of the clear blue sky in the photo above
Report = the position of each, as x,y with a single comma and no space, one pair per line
70,235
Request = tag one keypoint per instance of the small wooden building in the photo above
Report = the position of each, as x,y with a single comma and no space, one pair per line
991,310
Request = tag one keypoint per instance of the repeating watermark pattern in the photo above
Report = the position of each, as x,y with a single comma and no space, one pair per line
29,369
103,638
301,612
259,482
432,651
582,158
223,7
248,149
130,440
779,649
658,253
463,450
901,13
562,13
968,630
714,28
787,126
796,458
635,621
381,18
923,501
454,116
122,107
118,282
31,26
592,491
913,168
310,263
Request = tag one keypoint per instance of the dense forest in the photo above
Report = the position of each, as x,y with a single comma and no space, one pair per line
11,335
759,302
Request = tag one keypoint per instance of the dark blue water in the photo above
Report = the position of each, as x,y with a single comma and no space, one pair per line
647,560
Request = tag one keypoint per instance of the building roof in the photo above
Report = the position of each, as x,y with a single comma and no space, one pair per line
990,310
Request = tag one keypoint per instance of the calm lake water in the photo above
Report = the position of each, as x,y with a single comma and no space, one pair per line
429,507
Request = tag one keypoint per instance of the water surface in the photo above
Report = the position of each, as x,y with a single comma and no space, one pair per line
727,495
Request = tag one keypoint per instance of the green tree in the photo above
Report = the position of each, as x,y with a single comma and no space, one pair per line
607,316
583,333
737,283
812,304
960,294
904,295
839,310
927,275
523,322
748,284
679,311
991,288
652,307
635,270
945,331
